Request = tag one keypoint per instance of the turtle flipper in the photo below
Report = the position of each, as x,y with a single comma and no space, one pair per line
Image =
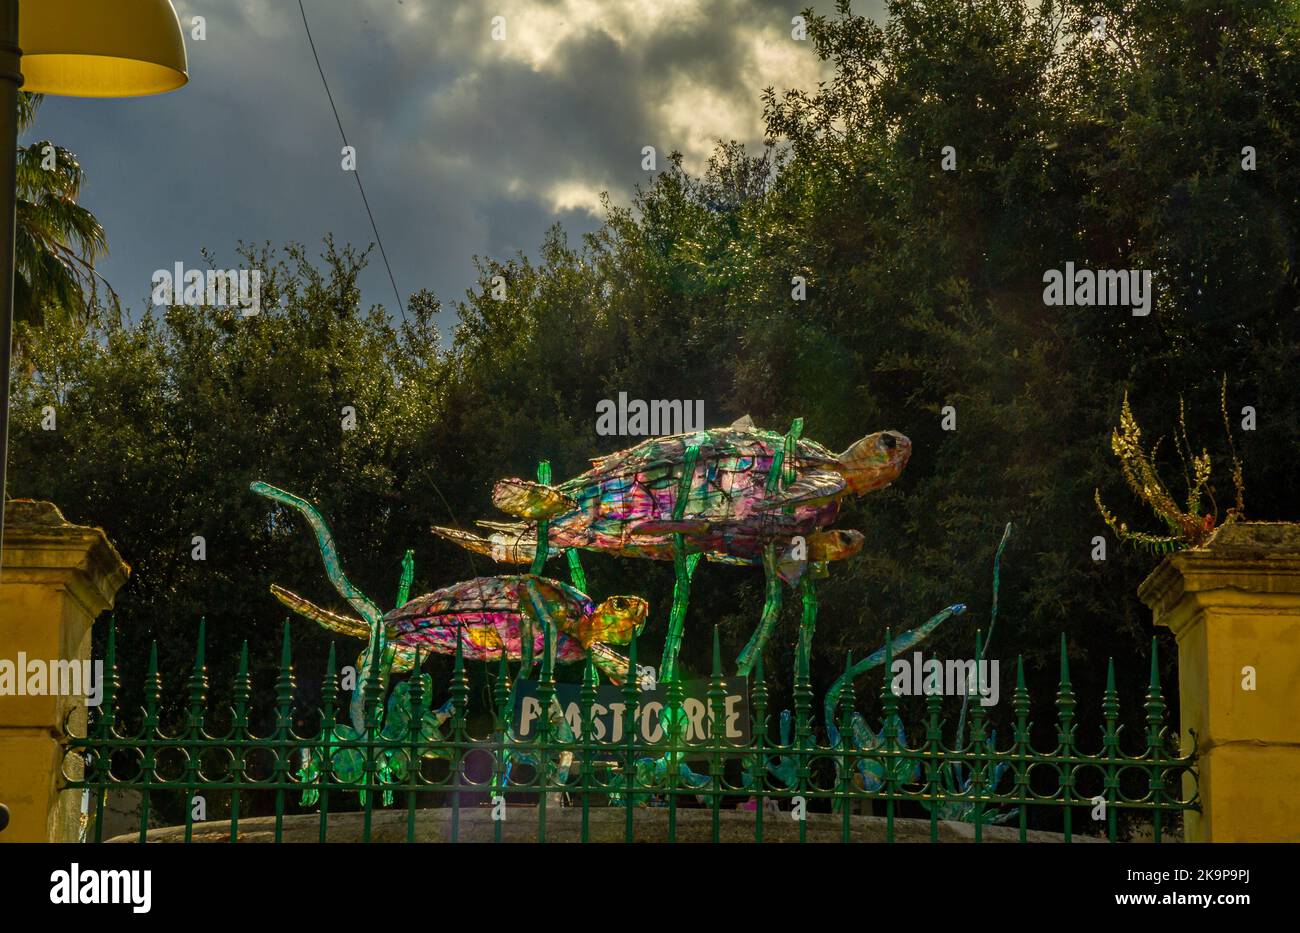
519,529
790,570
717,557
610,662
531,500
811,488
331,621
818,548
404,659
499,547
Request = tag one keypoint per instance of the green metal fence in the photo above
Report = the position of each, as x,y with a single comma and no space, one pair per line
413,756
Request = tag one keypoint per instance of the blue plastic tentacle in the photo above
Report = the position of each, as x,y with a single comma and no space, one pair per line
334,570
900,644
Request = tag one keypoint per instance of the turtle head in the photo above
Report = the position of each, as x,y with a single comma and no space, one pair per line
836,544
873,462
617,619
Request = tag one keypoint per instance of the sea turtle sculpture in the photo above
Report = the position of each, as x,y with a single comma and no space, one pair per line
735,495
517,615
491,615
626,504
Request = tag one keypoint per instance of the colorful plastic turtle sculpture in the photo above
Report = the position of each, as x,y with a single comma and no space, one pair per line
491,615
627,504
515,615
734,495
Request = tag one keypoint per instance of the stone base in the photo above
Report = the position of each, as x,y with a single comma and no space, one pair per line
39,811
1234,608
606,825
57,577
1249,794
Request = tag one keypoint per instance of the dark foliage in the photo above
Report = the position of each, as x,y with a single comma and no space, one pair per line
925,289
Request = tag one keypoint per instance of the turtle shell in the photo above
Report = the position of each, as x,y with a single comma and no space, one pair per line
639,485
486,613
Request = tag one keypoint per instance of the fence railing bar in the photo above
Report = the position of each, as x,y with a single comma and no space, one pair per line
969,782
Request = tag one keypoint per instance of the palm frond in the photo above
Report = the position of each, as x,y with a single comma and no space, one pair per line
57,241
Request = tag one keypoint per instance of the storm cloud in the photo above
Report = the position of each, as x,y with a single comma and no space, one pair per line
467,145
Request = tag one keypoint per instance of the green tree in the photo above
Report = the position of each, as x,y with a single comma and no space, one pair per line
162,424
924,291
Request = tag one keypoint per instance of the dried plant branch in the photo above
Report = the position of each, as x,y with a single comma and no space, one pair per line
1188,526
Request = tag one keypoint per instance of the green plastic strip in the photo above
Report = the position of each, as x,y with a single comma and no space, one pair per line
543,526
408,575
683,566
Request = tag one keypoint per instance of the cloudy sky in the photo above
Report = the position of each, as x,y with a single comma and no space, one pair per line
466,145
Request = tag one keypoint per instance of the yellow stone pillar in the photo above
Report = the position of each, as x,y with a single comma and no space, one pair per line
56,578
1234,607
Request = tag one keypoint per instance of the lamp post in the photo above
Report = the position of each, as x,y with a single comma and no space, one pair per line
74,48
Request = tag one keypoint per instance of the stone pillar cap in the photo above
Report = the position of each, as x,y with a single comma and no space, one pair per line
39,544
1246,556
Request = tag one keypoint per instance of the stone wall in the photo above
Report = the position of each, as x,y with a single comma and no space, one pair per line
55,580
1234,608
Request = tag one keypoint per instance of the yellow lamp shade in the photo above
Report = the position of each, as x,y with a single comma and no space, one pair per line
101,48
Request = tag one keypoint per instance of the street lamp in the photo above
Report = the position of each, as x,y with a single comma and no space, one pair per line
72,48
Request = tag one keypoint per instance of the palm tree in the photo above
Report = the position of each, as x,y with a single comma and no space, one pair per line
56,241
